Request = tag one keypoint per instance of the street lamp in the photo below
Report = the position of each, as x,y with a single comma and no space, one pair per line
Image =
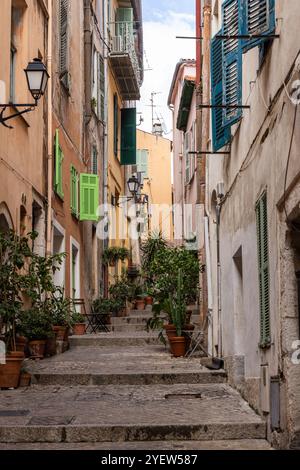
37,79
133,185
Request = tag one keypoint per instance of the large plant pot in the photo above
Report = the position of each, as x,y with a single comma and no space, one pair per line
50,349
140,304
79,329
10,372
149,300
177,344
61,332
170,330
25,379
37,349
21,342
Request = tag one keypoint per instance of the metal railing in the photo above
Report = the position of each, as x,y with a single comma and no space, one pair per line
122,42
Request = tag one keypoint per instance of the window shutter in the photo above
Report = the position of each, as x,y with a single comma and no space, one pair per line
263,268
144,163
258,17
58,184
128,136
63,50
116,125
94,160
89,197
187,157
74,191
220,135
102,87
232,62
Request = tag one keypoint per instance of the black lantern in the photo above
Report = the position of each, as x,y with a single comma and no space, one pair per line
133,185
37,78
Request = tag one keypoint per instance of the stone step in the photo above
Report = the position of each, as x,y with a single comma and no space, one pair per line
237,444
131,327
115,339
119,413
131,319
128,378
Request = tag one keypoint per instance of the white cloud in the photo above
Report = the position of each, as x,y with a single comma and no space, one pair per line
163,51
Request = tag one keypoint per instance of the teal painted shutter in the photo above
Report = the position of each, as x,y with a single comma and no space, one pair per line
220,135
124,20
232,62
142,157
89,197
116,124
258,17
58,183
128,136
263,270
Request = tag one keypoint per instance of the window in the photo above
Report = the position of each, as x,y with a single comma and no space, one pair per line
142,160
64,42
116,124
89,197
58,175
187,157
18,48
94,165
128,136
98,88
263,270
257,18
74,191
75,269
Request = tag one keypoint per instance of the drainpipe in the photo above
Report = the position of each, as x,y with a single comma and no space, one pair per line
50,135
218,213
87,60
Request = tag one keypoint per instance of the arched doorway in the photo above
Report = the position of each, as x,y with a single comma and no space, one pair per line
6,223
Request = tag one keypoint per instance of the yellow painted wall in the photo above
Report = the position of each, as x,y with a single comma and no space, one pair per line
158,185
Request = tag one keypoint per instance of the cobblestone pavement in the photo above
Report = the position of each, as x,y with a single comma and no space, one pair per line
119,410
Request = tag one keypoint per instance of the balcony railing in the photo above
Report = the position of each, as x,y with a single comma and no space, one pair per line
124,59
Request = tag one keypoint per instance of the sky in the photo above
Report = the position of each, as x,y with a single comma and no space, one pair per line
163,20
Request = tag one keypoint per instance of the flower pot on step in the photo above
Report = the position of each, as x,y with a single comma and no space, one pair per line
79,329
61,332
50,349
177,344
170,330
10,371
149,300
140,304
21,342
25,379
37,348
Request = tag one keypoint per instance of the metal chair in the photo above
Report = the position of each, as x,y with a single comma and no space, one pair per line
197,338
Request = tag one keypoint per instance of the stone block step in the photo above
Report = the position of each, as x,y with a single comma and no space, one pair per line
128,378
131,327
131,319
117,413
115,339
237,444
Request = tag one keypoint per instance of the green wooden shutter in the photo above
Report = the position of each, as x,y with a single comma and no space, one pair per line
263,270
232,62
220,135
74,191
89,197
63,38
128,136
58,182
258,17
116,125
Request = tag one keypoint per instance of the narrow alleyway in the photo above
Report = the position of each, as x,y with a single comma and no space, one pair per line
117,390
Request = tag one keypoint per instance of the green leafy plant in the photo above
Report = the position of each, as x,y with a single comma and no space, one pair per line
178,306
36,324
77,318
61,308
113,254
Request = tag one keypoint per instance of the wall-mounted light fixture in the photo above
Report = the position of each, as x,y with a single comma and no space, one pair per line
37,80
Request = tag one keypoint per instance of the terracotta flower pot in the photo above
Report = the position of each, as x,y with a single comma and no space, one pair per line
177,344
170,330
188,329
25,379
10,372
149,300
140,304
79,329
61,332
37,348
21,342
50,349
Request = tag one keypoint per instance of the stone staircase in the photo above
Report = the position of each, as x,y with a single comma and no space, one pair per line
123,390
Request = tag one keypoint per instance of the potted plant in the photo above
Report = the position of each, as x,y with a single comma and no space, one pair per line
113,254
36,326
178,312
25,378
61,312
78,324
13,254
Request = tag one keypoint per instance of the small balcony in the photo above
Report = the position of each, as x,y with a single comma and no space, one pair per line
124,60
